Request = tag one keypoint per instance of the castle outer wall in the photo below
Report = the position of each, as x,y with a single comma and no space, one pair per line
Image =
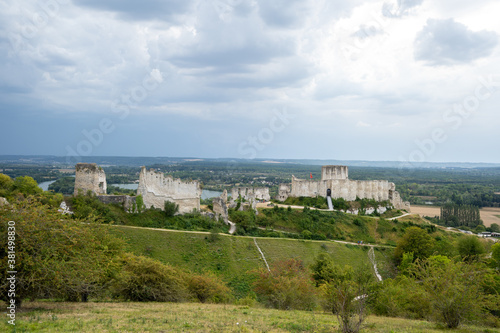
156,188
335,179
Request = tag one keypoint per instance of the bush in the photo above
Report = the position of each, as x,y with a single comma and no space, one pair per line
470,248
454,289
401,297
57,256
287,286
170,208
209,289
143,279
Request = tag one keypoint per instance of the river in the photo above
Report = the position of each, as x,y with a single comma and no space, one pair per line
205,194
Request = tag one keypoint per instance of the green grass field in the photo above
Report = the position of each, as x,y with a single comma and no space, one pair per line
194,317
232,257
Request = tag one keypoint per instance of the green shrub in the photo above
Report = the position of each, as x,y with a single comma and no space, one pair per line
143,279
287,286
170,208
209,288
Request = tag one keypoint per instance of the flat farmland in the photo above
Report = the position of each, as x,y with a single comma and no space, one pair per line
489,215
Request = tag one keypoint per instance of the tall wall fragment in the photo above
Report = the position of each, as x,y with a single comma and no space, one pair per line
90,177
156,188
220,207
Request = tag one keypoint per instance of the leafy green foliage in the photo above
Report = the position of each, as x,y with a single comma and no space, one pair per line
287,286
417,241
470,248
208,288
345,291
460,215
64,185
6,185
26,185
453,289
56,256
170,208
143,279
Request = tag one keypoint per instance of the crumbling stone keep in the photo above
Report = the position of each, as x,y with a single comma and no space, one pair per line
90,177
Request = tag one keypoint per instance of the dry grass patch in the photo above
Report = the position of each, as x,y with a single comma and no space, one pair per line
193,317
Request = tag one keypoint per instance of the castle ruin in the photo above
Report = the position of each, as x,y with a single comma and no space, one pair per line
250,193
220,207
156,188
90,177
335,180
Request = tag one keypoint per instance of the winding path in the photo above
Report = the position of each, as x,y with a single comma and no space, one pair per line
262,254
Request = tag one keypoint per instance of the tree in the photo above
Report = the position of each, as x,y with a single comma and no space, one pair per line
495,227
347,294
170,208
27,185
453,288
55,255
323,269
495,255
470,248
417,241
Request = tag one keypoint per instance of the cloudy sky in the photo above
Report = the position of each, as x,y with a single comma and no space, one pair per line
408,80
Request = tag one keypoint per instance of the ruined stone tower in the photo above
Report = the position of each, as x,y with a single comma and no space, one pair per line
334,172
90,177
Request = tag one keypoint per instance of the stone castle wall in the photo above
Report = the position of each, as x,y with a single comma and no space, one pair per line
335,179
220,207
156,188
90,177
124,200
250,193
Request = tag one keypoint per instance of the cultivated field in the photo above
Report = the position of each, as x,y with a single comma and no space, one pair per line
194,317
489,215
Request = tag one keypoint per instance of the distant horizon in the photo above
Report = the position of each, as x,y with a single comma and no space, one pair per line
88,159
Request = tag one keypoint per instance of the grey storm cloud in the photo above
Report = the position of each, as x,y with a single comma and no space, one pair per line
446,42
400,8
140,10
283,13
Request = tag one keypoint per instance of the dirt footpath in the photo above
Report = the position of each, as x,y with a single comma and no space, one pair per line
489,215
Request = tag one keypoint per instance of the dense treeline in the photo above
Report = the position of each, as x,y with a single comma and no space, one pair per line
453,215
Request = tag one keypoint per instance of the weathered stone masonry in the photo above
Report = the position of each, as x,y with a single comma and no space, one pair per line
90,177
335,178
250,193
156,188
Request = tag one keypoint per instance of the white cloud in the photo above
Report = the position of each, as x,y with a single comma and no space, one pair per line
344,68
446,42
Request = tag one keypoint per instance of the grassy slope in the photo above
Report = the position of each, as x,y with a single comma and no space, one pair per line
232,257
194,317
